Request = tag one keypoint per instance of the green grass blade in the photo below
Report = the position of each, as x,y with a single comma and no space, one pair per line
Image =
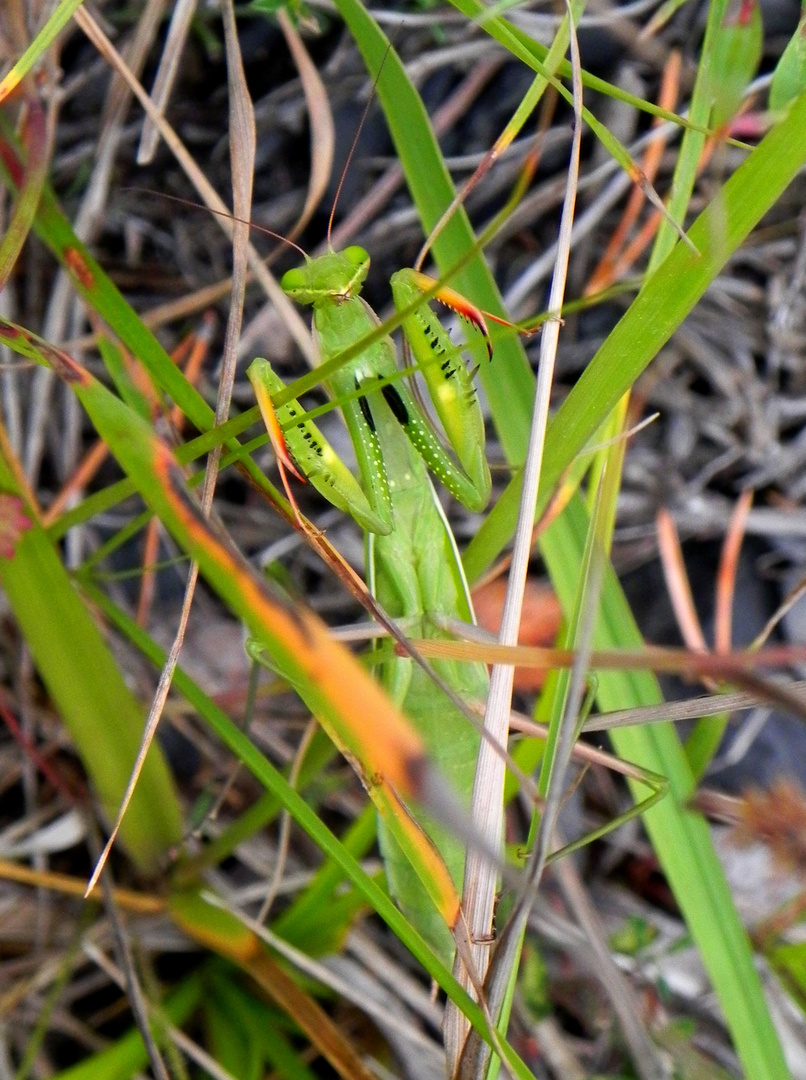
667,298
687,163
680,837
789,77
36,144
43,40
86,685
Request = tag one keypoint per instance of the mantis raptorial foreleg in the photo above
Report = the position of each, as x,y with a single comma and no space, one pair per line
316,459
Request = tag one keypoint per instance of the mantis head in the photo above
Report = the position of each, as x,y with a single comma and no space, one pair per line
334,276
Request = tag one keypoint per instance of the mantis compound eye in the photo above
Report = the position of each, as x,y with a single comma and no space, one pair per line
293,281
356,256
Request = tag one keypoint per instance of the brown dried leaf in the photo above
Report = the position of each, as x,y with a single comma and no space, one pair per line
776,818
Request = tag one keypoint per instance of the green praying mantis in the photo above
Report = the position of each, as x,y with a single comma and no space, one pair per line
413,565
414,569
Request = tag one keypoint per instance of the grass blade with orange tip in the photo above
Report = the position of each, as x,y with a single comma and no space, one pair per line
47,35
387,754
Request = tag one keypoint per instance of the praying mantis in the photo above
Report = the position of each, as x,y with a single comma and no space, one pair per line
413,565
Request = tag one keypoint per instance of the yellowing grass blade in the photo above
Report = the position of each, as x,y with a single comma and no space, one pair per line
358,716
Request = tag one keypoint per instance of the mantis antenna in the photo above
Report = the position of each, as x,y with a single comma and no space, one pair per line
354,144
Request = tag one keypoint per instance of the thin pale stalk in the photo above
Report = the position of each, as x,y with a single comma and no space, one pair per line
183,13
487,805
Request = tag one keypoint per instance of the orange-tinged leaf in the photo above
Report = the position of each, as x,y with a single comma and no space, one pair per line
278,443
458,303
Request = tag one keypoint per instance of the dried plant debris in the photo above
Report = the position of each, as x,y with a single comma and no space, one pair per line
777,818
